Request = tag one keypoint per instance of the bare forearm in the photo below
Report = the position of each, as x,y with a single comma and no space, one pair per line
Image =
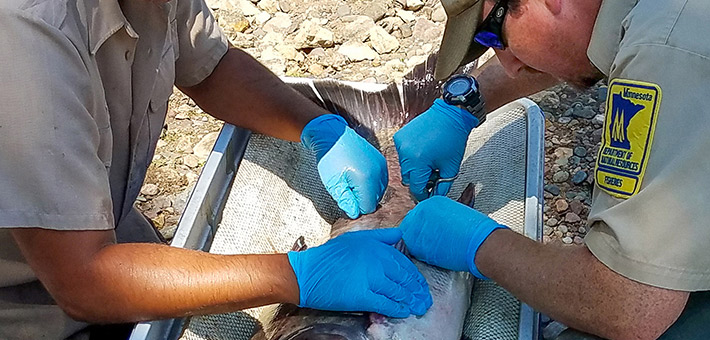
243,92
569,284
499,89
131,282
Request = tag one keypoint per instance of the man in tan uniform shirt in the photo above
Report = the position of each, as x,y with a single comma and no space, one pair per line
646,259
84,92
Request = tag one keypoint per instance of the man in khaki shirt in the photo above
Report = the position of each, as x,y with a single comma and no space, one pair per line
84,93
646,259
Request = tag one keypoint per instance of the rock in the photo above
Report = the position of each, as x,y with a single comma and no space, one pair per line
270,6
357,28
597,136
560,176
563,228
547,230
579,177
203,148
246,7
562,155
270,53
578,240
285,6
564,120
315,69
357,51
439,15
216,4
601,93
272,39
561,205
426,31
168,231
576,206
553,189
241,25
311,34
277,66
162,202
149,189
191,161
391,24
585,113
281,22
381,41
261,18
289,52
559,234
566,240
342,10
572,217
582,230
547,99
413,5
551,222
374,10
599,119
580,151
416,60
407,16
406,30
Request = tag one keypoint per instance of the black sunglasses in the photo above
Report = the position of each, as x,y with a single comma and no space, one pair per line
490,32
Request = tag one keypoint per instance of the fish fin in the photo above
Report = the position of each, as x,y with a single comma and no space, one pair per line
468,196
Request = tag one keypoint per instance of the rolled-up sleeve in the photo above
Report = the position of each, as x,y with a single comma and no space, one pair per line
202,44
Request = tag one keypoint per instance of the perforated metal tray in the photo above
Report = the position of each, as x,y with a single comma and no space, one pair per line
504,157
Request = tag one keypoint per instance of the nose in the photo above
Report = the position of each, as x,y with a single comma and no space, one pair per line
512,65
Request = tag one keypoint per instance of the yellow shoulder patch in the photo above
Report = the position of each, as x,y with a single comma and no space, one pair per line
631,114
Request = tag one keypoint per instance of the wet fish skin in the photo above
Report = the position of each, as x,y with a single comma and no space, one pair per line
450,290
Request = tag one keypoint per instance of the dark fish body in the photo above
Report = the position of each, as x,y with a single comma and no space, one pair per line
450,290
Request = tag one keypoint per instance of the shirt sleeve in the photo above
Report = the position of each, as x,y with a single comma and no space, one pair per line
202,44
659,235
55,137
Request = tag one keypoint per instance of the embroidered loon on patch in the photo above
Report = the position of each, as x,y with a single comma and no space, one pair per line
631,114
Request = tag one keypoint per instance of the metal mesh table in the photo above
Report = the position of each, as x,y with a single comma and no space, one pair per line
276,196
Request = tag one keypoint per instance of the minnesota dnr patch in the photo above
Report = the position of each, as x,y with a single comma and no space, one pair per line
631,113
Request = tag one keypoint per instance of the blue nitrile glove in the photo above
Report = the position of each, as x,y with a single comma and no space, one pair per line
351,169
435,139
361,271
446,233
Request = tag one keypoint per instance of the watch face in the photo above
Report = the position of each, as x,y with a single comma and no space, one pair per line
458,86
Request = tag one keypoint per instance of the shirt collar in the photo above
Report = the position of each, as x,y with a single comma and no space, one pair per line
104,18
607,32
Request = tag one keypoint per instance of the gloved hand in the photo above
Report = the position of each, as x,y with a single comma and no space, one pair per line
446,233
351,169
435,139
361,271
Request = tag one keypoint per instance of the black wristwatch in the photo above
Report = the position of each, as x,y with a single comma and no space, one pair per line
462,90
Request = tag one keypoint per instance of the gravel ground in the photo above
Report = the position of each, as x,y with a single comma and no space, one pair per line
370,41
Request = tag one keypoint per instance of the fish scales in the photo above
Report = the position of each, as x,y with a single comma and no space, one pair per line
450,290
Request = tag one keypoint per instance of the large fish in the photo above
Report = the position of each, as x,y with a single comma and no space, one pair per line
450,291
